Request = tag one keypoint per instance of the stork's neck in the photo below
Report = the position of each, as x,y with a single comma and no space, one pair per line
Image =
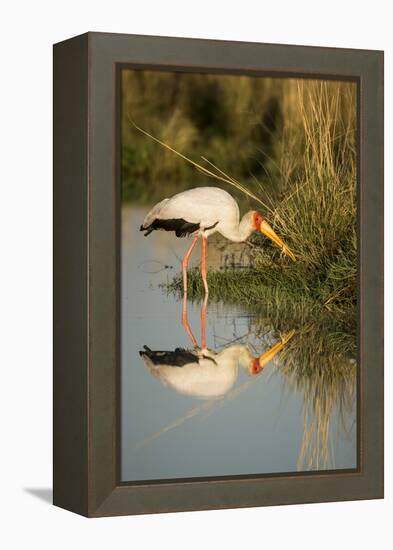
238,232
237,354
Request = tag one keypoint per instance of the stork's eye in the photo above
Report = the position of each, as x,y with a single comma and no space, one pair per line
255,368
257,220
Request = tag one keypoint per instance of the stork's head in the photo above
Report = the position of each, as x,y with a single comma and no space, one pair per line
256,367
259,363
260,224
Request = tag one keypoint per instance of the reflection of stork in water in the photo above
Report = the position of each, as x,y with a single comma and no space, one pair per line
204,373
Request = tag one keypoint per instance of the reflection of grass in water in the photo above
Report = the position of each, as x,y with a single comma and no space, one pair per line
319,363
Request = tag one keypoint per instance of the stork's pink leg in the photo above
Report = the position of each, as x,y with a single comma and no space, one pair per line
203,264
203,322
185,262
184,321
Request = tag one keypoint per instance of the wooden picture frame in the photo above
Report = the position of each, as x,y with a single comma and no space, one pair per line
86,274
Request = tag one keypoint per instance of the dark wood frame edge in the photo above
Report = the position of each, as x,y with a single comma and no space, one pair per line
70,274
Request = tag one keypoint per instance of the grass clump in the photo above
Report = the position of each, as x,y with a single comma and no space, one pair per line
312,207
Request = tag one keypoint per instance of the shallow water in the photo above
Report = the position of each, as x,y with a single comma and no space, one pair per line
186,422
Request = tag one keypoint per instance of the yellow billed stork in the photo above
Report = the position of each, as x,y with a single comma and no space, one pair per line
202,211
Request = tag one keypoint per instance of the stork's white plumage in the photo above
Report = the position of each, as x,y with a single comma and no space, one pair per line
199,373
202,206
202,211
205,373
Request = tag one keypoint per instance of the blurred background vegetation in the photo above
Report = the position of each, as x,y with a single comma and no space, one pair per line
235,121
250,127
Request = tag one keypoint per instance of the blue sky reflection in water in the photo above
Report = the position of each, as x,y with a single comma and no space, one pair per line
256,427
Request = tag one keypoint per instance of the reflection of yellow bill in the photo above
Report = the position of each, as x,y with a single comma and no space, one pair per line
260,362
268,231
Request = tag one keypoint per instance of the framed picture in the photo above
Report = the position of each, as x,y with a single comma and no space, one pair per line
218,274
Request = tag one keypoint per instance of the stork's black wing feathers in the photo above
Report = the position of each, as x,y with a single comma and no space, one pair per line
177,358
181,227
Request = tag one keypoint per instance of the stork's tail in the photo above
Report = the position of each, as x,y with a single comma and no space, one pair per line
147,229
